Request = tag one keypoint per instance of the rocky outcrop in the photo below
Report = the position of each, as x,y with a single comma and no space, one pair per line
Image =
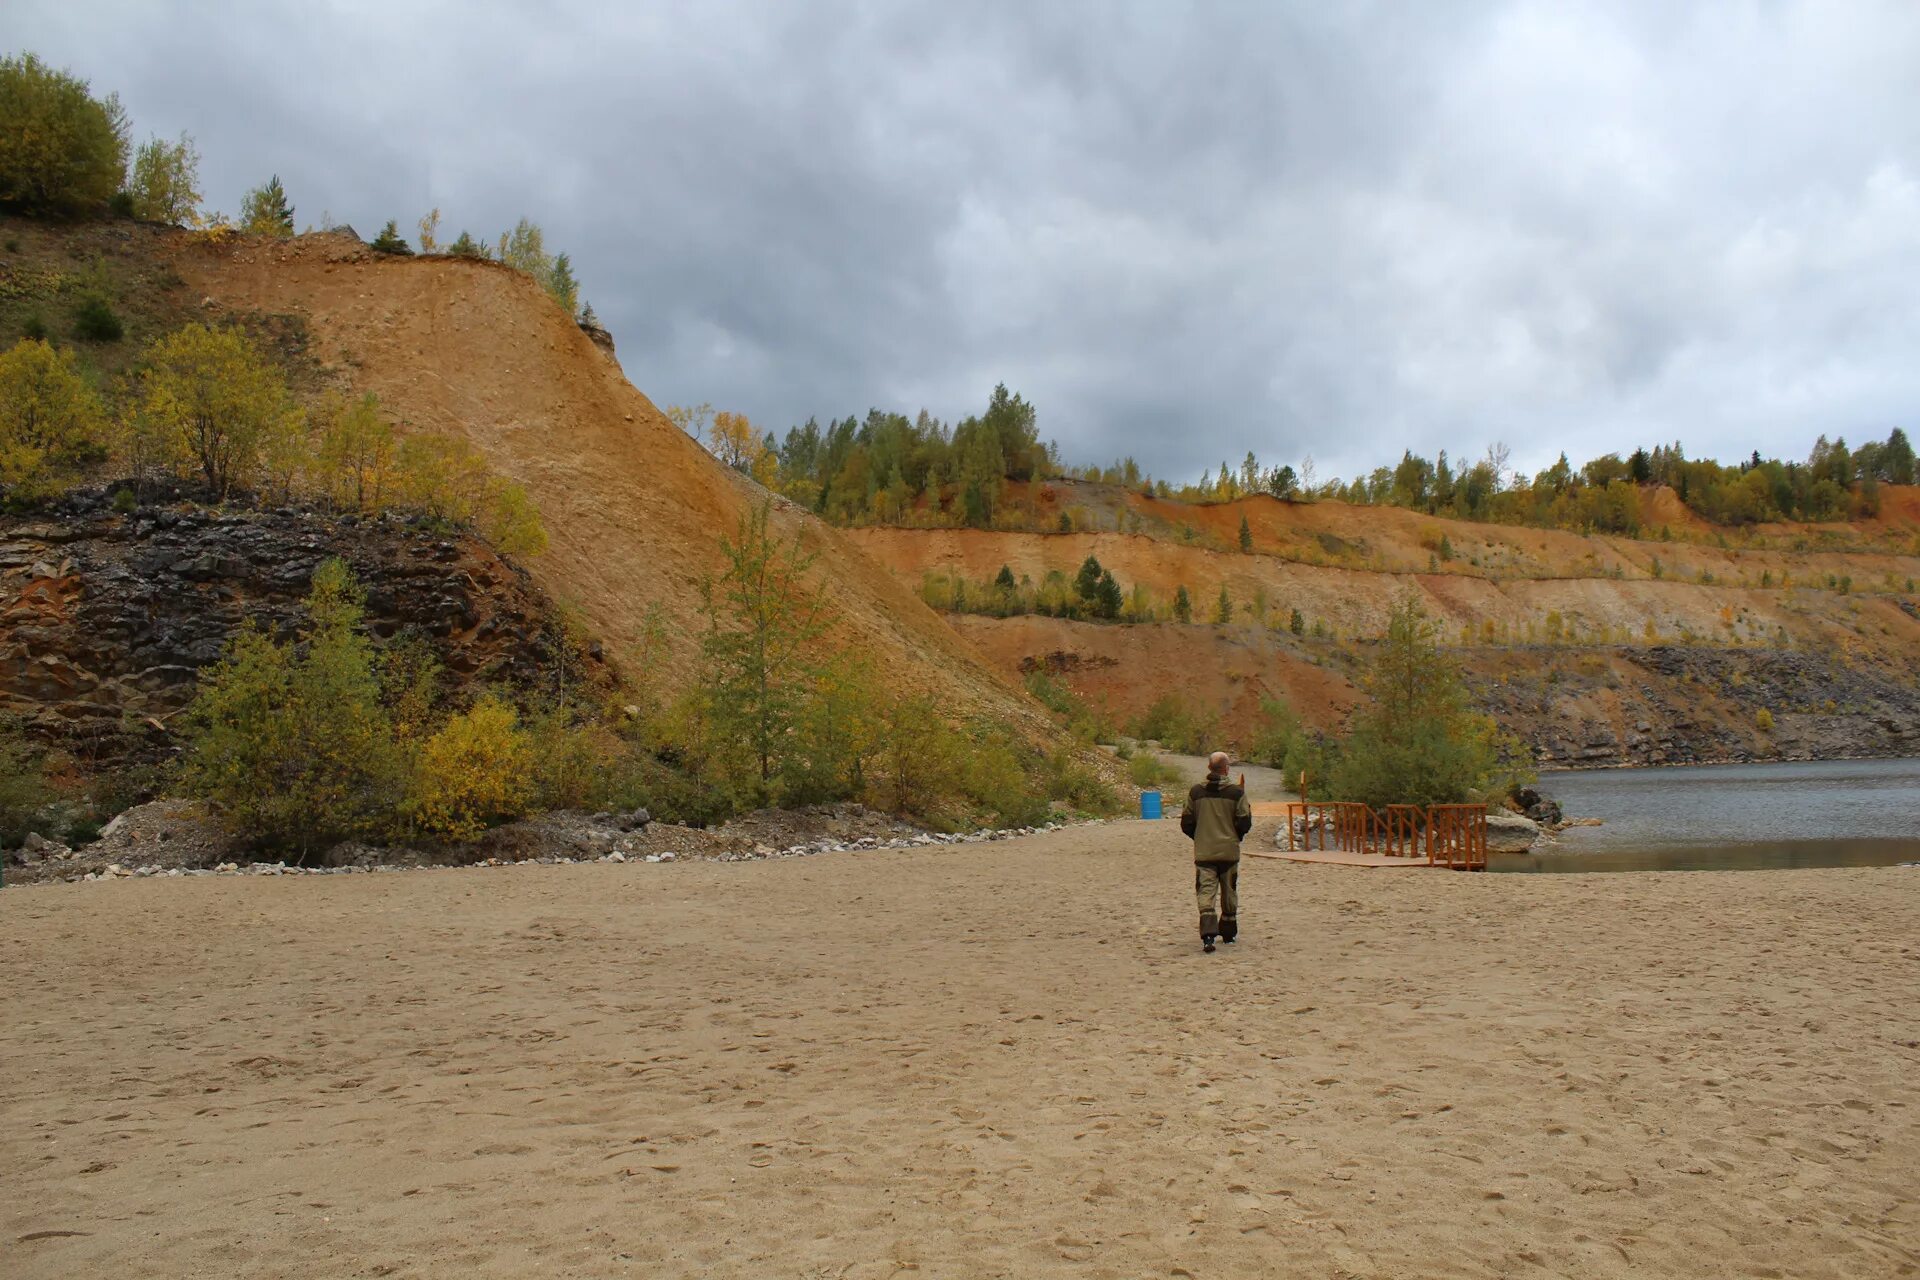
107,617
1582,708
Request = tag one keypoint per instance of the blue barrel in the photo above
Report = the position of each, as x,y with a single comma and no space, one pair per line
1149,804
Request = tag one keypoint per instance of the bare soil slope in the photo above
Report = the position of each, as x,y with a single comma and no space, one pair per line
543,1071
633,506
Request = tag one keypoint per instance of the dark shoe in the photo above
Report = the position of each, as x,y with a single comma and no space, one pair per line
1229,930
1206,943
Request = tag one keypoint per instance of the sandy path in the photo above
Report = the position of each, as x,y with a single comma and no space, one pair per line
994,1060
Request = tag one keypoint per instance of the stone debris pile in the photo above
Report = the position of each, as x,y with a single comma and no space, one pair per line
762,853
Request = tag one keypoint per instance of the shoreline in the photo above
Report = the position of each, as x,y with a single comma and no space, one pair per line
1544,770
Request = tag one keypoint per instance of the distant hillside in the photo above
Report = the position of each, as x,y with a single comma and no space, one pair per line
1594,648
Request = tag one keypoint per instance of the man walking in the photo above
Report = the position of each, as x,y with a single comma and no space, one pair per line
1217,817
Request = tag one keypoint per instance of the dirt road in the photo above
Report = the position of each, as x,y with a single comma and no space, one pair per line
987,1060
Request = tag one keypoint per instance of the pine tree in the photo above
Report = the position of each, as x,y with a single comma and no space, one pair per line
1246,532
265,210
1223,607
390,240
467,247
1086,583
1182,605
1296,623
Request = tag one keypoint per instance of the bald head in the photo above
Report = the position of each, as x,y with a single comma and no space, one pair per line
1217,764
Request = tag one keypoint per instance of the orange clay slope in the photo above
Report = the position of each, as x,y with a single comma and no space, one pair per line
633,507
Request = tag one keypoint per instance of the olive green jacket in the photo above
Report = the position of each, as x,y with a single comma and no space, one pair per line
1218,817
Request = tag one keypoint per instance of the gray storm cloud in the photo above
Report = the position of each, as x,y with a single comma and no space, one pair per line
1184,232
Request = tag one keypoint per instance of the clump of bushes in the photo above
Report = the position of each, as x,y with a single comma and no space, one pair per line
1179,726
94,321
324,737
24,790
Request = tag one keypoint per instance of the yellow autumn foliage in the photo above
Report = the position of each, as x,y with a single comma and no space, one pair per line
475,771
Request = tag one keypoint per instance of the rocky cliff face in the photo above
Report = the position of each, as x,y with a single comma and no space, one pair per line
107,618
1677,705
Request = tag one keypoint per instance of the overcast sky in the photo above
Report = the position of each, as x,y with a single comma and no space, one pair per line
1182,231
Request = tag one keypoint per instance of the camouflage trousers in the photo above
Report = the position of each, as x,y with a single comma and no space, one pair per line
1217,886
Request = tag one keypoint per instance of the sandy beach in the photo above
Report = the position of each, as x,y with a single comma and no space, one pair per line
985,1060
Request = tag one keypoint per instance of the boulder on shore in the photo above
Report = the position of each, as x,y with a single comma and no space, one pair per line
1510,832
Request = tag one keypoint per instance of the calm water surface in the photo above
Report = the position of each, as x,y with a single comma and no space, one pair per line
1839,813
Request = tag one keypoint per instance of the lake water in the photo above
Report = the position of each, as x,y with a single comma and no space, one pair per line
1835,813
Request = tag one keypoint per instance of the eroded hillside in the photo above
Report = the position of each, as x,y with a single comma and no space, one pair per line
634,507
1594,648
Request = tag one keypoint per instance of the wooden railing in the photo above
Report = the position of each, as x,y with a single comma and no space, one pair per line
1442,835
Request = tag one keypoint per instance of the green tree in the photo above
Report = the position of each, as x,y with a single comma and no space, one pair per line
1896,459
1223,607
213,403
763,621
1086,583
1003,580
166,182
62,151
1297,624
1274,733
391,241
1246,532
51,424
560,283
467,247
357,455
265,211
836,738
1418,742
1182,605
289,743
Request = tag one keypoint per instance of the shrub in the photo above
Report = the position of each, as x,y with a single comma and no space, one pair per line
95,321
51,423
23,785
209,401
124,502
1274,733
1178,726
292,746
476,771
1147,771
1763,720
33,328
62,152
